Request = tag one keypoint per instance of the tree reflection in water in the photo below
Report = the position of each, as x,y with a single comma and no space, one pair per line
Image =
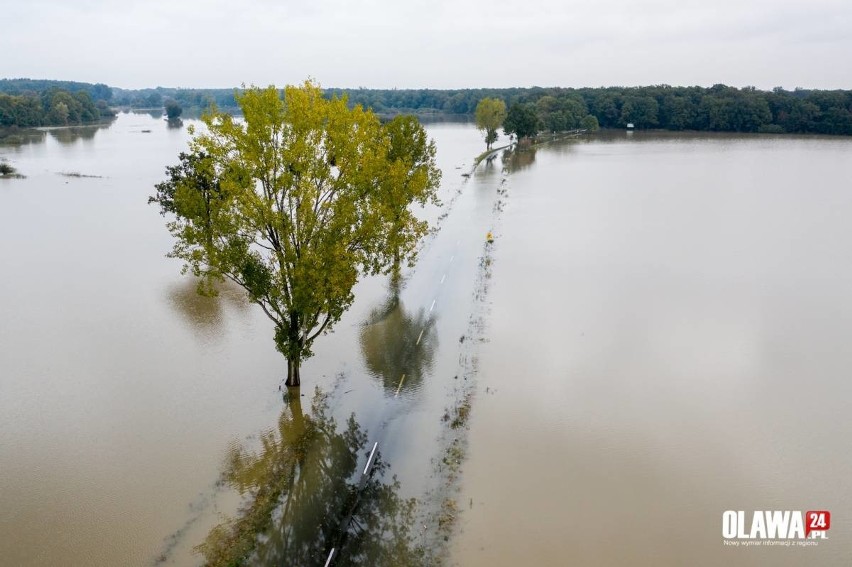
518,159
71,134
390,348
300,487
205,314
21,136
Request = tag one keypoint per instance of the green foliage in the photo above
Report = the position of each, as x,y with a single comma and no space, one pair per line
642,111
771,129
522,120
719,107
590,123
173,109
560,114
295,202
196,100
661,106
490,114
54,107
97,91
412,176
59,112
153,100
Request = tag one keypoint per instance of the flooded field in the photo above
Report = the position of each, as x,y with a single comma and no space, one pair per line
667,340
657,335
124,396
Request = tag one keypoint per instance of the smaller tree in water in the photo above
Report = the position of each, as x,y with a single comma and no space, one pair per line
522,120
173,109
295,202
489,115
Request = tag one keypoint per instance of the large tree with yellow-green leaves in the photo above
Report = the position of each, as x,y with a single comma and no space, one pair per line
295,202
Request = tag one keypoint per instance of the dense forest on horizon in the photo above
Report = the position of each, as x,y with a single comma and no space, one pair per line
26,103
716,108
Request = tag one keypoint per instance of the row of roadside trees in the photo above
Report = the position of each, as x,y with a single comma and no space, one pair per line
525,120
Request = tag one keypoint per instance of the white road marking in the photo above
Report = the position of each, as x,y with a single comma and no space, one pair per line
420,337
433,305
443,278
370,459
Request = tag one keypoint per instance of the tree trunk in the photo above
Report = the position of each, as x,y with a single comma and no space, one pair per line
396,266
293,380
293,361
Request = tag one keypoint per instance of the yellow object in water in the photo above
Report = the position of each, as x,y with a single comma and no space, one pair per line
489,237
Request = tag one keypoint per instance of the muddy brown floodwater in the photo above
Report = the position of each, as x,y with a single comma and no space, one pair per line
668,339
657,335
124,396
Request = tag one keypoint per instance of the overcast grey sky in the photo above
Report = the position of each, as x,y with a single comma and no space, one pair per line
436,43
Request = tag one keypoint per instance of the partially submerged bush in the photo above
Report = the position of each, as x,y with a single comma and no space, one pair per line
6,170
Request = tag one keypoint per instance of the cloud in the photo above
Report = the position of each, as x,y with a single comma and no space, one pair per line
382,43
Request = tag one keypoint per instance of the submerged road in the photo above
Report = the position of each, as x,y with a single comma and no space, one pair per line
426,355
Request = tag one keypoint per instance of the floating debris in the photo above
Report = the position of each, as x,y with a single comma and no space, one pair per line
78,175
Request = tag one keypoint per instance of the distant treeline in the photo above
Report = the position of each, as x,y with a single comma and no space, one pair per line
718,108
53,107
194,99
97,91
27,103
